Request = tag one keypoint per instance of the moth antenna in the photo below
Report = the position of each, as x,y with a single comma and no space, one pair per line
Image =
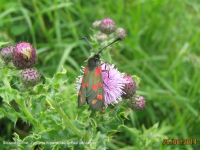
110,44
88,43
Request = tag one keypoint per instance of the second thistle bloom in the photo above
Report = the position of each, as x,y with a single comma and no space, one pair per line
24,55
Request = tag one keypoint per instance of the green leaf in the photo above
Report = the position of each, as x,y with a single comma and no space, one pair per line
99,142
8,95
11,113
39,89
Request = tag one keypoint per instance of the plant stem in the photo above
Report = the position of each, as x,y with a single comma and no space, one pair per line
22,105
64,116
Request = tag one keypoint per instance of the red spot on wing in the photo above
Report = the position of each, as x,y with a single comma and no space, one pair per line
94,101
79,92
99,96
87,84
94,87
100,84
100,70
81,99
82,81
83,85
97,71
86,69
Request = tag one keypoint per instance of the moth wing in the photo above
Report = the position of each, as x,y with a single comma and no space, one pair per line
95,91
83,92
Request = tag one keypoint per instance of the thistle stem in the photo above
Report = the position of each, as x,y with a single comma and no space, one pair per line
64,116
22,105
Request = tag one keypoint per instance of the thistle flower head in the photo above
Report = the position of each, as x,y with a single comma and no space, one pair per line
107,26
113,83
120,33
24,55
6,53
30,77
96,24
129,88
138,103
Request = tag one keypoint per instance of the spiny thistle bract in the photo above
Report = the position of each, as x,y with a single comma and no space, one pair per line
24,56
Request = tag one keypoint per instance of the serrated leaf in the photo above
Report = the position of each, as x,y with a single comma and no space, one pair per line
99,142
39,89
60,75
112,120
75,96
11,113
136,79
8,96
56,85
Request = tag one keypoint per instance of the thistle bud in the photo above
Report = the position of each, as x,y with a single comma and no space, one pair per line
107,26
101,37
24,55
120,33
129,88
30,77
96,24
138,103
6,53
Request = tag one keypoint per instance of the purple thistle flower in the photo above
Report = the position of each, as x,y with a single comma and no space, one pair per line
113,85
107,25
24,55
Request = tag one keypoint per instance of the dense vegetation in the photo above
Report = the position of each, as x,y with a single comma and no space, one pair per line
161,47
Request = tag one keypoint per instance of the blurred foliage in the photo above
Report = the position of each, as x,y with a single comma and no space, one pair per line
161,47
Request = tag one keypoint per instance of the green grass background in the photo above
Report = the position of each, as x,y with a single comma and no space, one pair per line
162,47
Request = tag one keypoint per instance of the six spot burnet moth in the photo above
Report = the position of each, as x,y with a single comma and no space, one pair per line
91,89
